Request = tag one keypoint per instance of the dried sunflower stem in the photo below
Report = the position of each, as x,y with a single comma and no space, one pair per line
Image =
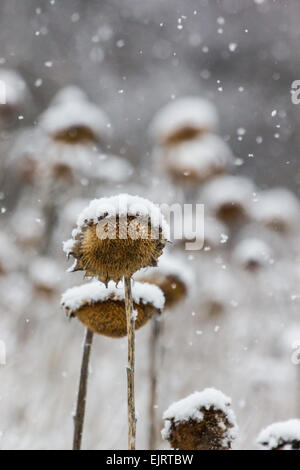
154,361
81,398
130,366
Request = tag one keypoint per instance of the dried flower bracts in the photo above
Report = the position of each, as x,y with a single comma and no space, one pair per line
117,236
281,436
202,421
102,309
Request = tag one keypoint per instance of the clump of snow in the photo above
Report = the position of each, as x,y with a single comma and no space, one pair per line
45,272
142,293
113,168
122,205
68,94
277,205
14,85
63,114
203,156
228,190
252,250
185,112
281,433
191,406
170,265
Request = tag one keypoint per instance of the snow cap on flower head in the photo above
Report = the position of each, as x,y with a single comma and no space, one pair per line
117,236
201,421
183,119
102,309
71,111
281,436
172,276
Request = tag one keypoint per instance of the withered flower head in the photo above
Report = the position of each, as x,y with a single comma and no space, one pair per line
277,209
102,309
198,160
229,198
171,276
71,119
182,120
117,236
252,254
202,421
281,436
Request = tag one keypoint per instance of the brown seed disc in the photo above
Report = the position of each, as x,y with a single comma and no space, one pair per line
75,134
120,254
109,318
182,134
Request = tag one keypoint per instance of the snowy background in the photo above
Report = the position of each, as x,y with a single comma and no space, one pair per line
131,58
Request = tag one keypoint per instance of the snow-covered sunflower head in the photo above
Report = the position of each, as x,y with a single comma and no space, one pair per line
117,236
182,120
72,119
281,436
201,421
171,276
102,309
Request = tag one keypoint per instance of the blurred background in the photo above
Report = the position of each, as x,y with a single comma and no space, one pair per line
123,61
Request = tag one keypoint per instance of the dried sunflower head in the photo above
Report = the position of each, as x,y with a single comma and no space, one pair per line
171,276
281,436
117,236
277,209
198,160
229,198
102,309
202,421
182,120
71,119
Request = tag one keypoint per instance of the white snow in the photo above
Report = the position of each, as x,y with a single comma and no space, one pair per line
64,113
228,190
203,155
252,249
45,271
184,112
279,433
142,293
113,168
189,408
277,204
122,205
14,86
68,94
